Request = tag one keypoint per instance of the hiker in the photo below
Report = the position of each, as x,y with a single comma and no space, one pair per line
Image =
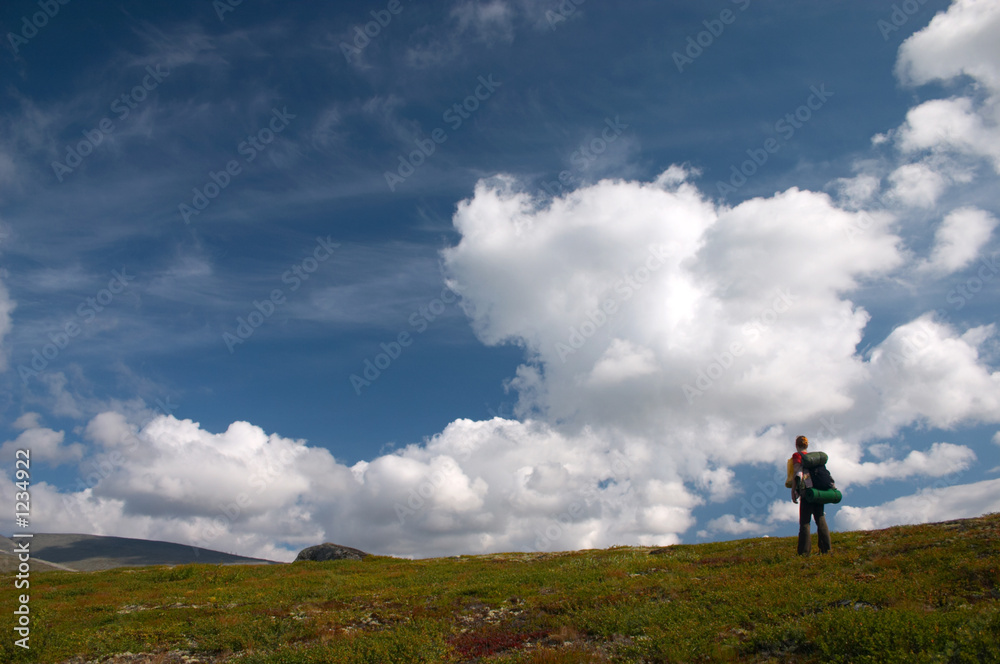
798,481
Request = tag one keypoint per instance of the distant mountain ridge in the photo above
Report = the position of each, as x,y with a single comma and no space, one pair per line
89,553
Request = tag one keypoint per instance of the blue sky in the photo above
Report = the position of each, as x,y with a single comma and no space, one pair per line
467,276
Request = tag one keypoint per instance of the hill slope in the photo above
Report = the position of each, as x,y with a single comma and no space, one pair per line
928,593
87,553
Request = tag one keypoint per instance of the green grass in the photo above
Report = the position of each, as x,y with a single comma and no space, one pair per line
926,593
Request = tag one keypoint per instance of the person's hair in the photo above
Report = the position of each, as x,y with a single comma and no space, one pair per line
801,443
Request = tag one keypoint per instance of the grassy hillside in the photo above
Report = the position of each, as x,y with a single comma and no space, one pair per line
926,593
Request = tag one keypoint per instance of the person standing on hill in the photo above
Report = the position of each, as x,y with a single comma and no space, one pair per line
798,481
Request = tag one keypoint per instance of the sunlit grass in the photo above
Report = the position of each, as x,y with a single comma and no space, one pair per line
911,594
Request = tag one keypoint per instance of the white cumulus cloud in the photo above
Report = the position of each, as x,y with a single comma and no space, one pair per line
962,41
940,460
916,185
935,503
927,372
44,445
959,239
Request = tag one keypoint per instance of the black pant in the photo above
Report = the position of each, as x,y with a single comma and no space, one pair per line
808,511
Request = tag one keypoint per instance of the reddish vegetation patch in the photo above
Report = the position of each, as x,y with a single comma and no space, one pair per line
490,642
724,561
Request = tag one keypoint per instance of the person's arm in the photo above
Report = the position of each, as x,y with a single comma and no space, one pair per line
798,483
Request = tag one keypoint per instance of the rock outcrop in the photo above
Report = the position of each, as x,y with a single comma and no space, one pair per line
330,551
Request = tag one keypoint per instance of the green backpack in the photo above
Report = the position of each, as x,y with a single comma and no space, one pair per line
824,496
823,490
